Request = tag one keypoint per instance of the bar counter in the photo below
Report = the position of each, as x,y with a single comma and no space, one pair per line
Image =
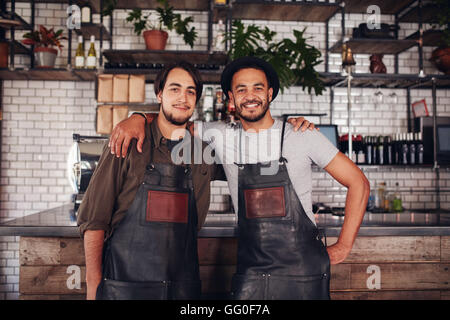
395,256
61,222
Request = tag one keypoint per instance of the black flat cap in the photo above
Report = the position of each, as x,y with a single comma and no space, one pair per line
249,62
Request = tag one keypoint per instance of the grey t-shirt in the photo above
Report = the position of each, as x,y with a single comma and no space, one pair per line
301,149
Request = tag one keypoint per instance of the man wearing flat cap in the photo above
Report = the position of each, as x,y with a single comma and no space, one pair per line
268,167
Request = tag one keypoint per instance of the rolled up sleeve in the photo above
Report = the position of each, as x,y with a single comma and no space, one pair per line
99,201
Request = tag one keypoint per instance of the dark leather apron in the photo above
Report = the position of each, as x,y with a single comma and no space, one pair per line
280,253
152,255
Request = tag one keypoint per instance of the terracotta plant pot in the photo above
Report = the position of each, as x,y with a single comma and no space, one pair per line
4,54
155,39
45,57
441,59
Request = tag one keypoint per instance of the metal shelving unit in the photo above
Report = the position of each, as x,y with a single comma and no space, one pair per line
16,47
414,11
300,10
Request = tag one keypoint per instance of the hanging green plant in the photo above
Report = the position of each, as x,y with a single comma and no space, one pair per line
294,61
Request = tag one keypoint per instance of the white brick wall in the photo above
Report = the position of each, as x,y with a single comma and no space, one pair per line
39,118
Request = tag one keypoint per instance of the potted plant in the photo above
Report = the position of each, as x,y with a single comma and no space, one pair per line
441,55
155,36
294,61
44,41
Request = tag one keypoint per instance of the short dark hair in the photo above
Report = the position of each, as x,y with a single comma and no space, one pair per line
249,62
252,66
161,78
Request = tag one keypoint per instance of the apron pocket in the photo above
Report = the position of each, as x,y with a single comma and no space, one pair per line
123,290
313,287
164,206
265,202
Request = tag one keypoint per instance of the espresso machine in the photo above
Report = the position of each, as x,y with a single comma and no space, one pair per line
82,161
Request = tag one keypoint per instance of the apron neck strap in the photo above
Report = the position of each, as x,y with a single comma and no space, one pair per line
283,159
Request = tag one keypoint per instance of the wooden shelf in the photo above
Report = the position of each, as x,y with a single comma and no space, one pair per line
95,4
387,7
375,46
9,20
194,5
208,76
429,13
88,29
431,38
164,56
278,11
48,74
378,80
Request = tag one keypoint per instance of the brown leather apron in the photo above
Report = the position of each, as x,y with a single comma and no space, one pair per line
152,254
280,253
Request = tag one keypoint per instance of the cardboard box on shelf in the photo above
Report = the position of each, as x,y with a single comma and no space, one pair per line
119,113
105,88
104,119
120,88
136,91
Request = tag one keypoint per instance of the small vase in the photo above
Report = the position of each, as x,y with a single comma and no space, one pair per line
155,39
45,57
441,59
376,64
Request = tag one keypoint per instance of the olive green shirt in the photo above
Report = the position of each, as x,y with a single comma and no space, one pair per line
115,181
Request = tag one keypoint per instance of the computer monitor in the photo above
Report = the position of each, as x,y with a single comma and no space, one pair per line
330,131
443,144
443,136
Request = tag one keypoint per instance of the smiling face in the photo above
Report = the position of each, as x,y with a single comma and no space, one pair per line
250,94
178,97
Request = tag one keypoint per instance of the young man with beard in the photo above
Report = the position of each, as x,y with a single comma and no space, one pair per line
268,168
140,214
280,254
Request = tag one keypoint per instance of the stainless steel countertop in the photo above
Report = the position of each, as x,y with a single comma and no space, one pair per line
60,222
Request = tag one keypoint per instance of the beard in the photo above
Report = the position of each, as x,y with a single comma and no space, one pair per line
175,120
253,117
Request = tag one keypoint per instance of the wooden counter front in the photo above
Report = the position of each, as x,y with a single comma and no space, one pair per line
383,267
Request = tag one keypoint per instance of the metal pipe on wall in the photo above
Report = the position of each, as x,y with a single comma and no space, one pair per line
349,110
436,165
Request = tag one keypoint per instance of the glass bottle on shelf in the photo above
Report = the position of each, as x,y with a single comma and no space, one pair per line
219,106
231,113
397,205
79,54
368,149
388,150
412,148
396,148
219,39
208,105
381,192
86,14
380,150
419,149
91,61
404,150
382,195
360,156
374,150
371,203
